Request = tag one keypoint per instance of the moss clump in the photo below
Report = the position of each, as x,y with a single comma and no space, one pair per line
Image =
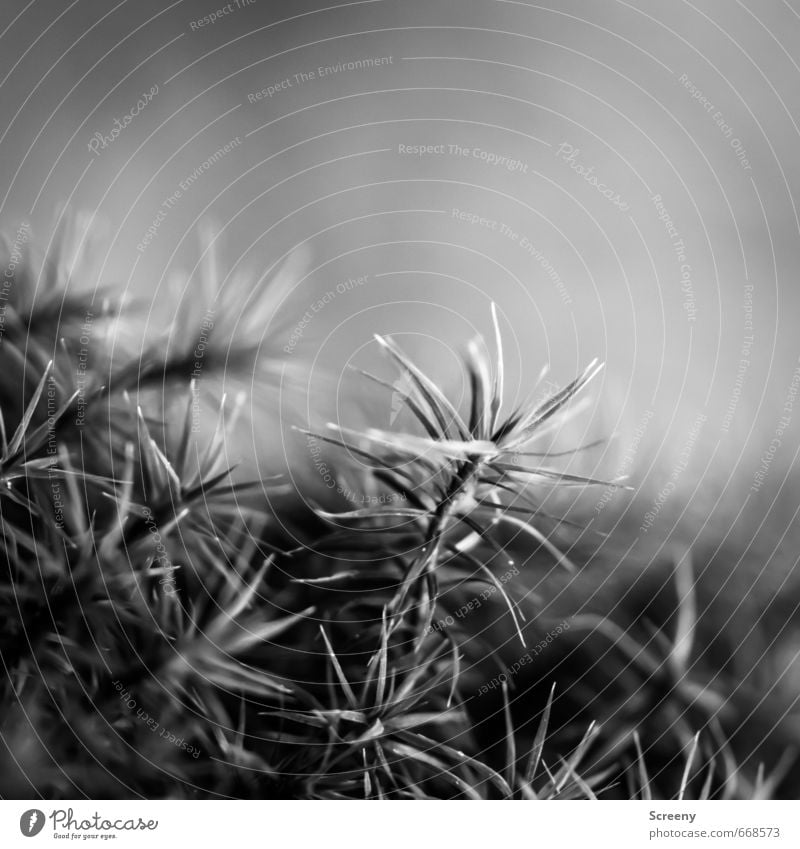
163,634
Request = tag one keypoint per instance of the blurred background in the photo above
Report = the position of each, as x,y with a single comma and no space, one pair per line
620,178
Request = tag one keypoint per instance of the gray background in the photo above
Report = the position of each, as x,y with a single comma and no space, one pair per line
319,167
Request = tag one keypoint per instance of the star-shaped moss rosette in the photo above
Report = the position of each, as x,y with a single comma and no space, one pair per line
453,481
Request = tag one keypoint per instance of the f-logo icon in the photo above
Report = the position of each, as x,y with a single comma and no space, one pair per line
31,822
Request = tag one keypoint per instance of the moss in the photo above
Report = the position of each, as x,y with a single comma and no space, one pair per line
163,634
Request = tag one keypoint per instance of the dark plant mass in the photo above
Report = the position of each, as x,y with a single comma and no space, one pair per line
172,629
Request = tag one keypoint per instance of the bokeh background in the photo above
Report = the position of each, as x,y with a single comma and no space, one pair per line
677,266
